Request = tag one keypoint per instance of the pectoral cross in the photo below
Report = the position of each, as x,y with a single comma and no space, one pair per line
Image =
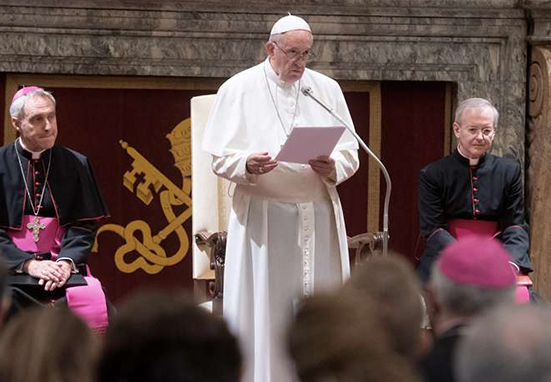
36,225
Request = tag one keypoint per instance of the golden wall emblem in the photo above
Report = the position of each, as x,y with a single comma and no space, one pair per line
152,256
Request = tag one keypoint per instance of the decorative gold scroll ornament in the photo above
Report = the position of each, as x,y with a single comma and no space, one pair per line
153,257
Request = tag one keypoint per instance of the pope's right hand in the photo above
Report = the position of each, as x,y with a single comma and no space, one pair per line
260,163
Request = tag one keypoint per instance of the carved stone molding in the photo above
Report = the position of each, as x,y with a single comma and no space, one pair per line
480,45
538,174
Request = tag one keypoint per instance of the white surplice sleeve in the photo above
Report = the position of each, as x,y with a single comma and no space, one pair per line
233,167
346,164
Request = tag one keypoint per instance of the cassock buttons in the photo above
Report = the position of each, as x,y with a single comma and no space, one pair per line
475,177
476,200
37,195
475,189
37,184
37,173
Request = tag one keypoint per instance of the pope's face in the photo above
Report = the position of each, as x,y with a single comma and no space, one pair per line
475,132
38,127
287,54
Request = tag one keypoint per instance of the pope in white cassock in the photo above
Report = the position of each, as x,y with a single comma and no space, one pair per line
286,233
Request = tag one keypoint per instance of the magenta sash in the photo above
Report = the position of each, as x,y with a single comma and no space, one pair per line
50,236
462,227
87,301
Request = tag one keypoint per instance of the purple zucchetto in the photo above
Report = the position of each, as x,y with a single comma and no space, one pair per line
23,92
478,261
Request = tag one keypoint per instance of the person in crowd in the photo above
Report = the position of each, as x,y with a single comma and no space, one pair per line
509,344
471,276
392,283
163,336
286,233
50,206
48,345
340,337
473,191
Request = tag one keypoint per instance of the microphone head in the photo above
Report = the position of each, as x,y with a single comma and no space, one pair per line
306,90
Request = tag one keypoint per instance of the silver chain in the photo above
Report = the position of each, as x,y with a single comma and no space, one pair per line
35,212
277,109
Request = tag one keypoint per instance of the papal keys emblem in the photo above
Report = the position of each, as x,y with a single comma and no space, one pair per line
143,250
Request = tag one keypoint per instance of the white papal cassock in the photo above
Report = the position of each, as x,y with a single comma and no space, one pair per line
286,234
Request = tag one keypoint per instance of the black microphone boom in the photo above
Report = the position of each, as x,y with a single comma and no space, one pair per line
307,91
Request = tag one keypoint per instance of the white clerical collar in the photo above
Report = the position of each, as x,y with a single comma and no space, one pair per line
36,154
272,75
472,161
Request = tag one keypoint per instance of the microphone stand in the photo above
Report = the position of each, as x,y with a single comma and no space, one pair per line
307,91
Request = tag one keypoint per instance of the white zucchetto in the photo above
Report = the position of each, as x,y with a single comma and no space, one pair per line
290,23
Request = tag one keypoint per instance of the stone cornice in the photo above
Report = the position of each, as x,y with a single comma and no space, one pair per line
475,8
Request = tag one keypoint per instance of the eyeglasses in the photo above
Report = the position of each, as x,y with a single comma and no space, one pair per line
487,132
293,54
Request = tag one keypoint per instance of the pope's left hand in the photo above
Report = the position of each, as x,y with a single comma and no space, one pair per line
323,165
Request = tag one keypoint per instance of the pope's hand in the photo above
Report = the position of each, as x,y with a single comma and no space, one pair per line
260,163
323,165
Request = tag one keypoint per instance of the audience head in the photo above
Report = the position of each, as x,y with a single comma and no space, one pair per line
162,336
47,345
340,338
472,274
510,344
391,282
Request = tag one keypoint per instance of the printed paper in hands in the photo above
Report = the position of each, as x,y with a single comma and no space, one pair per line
307,143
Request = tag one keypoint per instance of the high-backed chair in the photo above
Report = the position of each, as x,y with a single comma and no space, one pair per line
211,207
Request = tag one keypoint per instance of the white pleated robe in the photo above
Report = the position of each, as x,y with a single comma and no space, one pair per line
286,232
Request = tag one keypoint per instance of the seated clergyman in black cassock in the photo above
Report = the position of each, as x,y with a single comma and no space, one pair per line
50,207
472,191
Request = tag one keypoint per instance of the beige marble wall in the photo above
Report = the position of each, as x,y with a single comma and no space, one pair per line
478,44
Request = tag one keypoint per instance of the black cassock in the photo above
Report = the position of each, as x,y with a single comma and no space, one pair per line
71,195
451,188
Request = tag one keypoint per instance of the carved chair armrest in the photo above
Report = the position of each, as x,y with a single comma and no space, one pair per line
366,245
216,243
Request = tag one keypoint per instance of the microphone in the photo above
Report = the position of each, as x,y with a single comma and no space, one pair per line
308,92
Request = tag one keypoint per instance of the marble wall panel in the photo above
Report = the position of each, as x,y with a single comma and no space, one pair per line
478,44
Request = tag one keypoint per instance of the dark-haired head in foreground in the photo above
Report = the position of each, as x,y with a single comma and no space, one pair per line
163,336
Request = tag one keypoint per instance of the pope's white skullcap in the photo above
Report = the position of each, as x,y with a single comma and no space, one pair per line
290,23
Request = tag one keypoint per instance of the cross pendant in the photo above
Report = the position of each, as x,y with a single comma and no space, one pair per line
36,225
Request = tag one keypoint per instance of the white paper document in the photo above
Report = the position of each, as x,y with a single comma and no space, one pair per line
307,143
